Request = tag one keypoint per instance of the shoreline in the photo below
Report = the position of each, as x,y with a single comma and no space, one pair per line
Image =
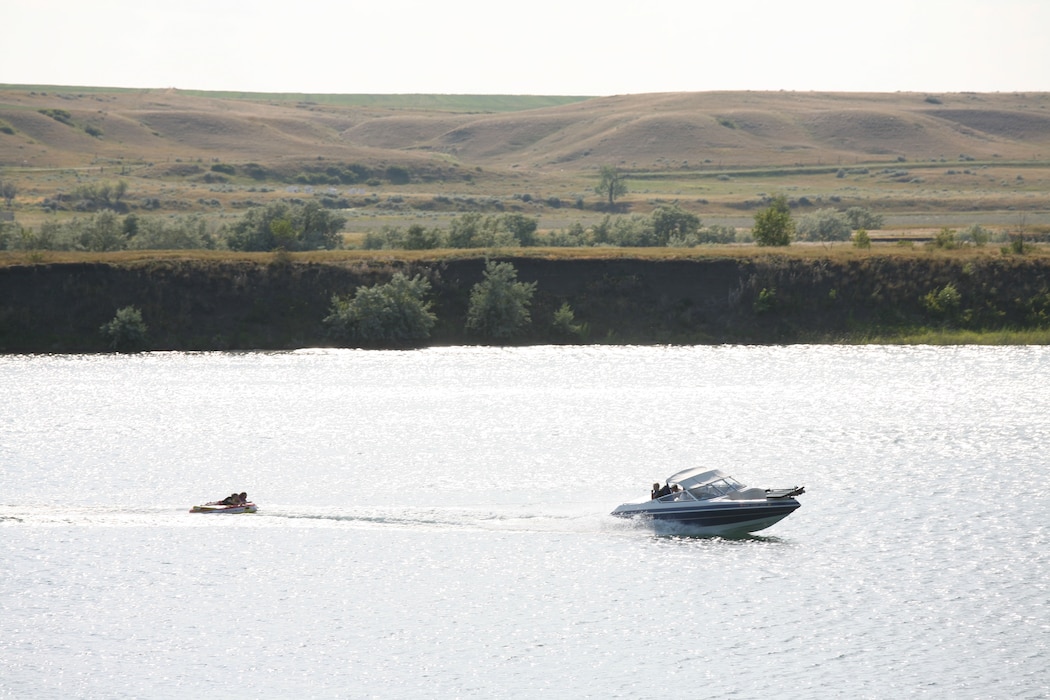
269,302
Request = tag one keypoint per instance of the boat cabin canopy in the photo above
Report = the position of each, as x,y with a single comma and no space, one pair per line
703,485
697,476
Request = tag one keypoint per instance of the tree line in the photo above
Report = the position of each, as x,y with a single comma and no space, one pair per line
295,227
288,226
278,226
292,227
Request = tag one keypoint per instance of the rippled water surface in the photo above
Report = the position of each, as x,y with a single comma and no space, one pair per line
435,524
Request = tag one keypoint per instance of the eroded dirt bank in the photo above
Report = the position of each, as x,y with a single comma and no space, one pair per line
206,304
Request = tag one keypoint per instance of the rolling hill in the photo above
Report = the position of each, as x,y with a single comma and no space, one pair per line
69,127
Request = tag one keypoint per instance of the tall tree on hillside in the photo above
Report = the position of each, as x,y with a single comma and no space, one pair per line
773,225
293,227
611,184
8,191
671,222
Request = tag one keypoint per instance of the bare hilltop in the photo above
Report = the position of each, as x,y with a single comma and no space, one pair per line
70,127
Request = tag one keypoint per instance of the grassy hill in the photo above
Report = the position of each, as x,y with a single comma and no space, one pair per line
914,157
729,129
157,125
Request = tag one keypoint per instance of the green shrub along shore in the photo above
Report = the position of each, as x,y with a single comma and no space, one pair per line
282,302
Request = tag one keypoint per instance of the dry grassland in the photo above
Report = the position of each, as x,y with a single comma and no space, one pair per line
923,161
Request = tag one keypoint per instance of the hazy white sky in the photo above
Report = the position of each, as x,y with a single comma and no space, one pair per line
542,47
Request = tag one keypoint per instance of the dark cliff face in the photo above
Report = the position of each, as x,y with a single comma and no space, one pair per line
201,305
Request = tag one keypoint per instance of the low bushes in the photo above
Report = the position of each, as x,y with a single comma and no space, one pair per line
395,314
499,304
125,332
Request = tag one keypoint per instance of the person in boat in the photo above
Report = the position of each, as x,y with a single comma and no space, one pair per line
231,500
652,493
662,491
242,498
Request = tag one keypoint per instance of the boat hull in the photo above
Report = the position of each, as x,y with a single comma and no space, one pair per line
725,518
246,508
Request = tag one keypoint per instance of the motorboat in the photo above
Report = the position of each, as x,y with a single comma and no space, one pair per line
710,502
219,507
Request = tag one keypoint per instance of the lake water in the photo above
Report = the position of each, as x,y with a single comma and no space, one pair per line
434,524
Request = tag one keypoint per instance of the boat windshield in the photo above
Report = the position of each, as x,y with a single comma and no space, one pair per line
715,489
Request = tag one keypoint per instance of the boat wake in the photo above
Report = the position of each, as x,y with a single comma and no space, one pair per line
509,518
574,518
